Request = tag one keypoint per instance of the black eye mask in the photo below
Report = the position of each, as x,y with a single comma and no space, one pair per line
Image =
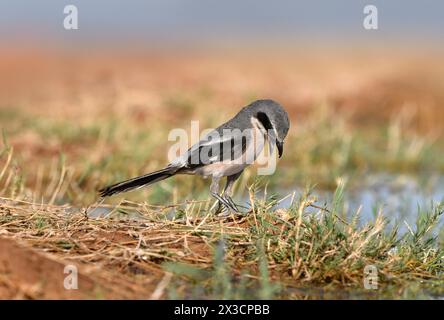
264,120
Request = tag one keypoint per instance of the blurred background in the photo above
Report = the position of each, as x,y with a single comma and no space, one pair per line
83,108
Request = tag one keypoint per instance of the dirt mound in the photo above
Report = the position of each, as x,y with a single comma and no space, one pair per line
26,273
115,258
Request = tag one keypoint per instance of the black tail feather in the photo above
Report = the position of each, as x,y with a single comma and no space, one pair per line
137,182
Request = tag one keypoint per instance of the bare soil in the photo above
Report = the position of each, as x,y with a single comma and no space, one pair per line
28,273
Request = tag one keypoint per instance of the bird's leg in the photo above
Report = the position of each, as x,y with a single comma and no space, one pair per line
229,190
214,190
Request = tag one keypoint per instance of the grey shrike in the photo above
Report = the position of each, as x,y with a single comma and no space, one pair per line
224,152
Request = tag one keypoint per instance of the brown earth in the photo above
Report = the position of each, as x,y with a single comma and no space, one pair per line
115,259
27,273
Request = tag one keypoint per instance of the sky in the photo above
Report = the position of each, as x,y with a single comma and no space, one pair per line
213,21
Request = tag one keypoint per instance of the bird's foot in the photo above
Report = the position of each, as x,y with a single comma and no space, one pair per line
222,210
222,202
232,208
233,205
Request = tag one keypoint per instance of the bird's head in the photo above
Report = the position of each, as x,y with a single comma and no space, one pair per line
274,119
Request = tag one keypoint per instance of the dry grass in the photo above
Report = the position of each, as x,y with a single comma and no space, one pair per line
266,253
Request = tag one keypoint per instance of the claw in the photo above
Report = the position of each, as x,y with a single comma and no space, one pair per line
223,211
224,202
220,207
233,205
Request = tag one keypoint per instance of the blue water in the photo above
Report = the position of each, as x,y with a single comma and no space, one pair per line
399,198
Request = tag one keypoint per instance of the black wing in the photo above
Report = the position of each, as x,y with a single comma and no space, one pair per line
212,150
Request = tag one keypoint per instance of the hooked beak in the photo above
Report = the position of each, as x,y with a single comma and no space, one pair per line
280,147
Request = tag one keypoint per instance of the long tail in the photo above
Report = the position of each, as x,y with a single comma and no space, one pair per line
138,182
